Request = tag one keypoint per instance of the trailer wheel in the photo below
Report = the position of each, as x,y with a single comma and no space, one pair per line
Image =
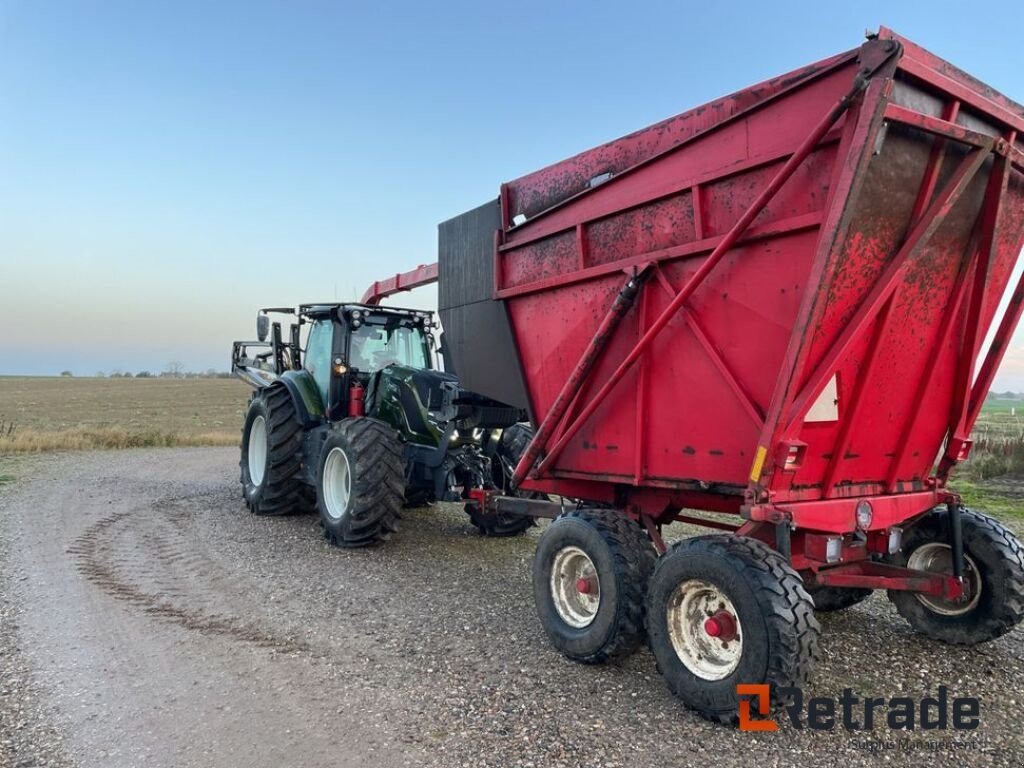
590,574
994,570
511,446
828,599
360,483
724,610
272,454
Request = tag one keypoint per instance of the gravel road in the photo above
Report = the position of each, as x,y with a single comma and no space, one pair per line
147,619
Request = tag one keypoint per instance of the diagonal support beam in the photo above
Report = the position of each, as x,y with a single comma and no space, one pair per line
991,214
886,284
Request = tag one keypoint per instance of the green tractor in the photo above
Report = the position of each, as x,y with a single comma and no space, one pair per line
358,422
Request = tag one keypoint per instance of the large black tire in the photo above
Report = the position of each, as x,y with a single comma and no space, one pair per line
994,562
775,638
362,510
828,599
270,475
621,557
511,447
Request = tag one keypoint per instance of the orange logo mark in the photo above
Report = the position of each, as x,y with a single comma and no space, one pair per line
763,693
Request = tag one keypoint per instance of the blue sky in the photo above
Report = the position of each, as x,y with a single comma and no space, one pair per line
166,167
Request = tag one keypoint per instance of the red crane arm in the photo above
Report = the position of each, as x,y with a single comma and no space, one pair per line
424,274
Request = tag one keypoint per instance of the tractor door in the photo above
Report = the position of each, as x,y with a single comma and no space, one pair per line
317,358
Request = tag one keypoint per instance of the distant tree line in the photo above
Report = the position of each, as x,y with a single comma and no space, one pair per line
173,370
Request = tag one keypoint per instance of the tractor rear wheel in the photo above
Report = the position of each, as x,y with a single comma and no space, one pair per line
511,447
828,599
590,574
993,602
728,610
360,483
272,454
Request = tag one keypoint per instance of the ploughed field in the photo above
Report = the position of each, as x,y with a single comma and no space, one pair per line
55,413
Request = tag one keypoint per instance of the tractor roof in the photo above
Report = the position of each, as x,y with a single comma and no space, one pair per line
326,309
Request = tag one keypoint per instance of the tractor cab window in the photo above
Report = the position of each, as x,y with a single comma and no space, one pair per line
383,342
317,359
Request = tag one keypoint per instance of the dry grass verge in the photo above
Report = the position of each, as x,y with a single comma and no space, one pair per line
107,438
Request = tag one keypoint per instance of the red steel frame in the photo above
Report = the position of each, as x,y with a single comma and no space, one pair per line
857,122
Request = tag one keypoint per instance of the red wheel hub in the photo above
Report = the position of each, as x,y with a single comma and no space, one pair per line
722,626
586,586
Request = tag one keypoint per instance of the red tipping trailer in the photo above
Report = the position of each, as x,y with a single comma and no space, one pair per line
773,306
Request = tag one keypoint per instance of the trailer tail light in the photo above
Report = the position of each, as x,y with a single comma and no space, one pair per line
790,455
823,549
887,542
895,540
864,515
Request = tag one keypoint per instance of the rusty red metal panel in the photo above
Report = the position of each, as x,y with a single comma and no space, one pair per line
824,301
538,191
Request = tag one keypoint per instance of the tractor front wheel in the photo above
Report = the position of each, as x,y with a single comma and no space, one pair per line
272,454
360,483
590,573
993,601
729,610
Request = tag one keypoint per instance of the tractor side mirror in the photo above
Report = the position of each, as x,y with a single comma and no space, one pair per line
262,326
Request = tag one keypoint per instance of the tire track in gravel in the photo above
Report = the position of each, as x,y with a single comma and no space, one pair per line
154,568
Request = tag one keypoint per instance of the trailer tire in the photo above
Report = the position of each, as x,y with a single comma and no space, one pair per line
272,454
615,557
829,599
758,605
994,561
360,485
511,447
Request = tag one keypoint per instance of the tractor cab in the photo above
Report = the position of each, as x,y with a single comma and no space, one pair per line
347,349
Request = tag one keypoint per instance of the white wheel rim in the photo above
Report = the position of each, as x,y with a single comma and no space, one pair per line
258,450
337,483
575,587
938,558
690,607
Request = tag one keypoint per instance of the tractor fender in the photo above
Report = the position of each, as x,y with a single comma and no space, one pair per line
306,396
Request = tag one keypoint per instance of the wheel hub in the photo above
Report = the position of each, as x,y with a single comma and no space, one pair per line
586,586
337,483
575,587
721,626
704,629
257,453
936,557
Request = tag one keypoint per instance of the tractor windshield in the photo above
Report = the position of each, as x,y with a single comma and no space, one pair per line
374,346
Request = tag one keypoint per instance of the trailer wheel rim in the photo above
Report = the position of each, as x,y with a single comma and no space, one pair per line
575,587
935,557
691,606
257,450
337,483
